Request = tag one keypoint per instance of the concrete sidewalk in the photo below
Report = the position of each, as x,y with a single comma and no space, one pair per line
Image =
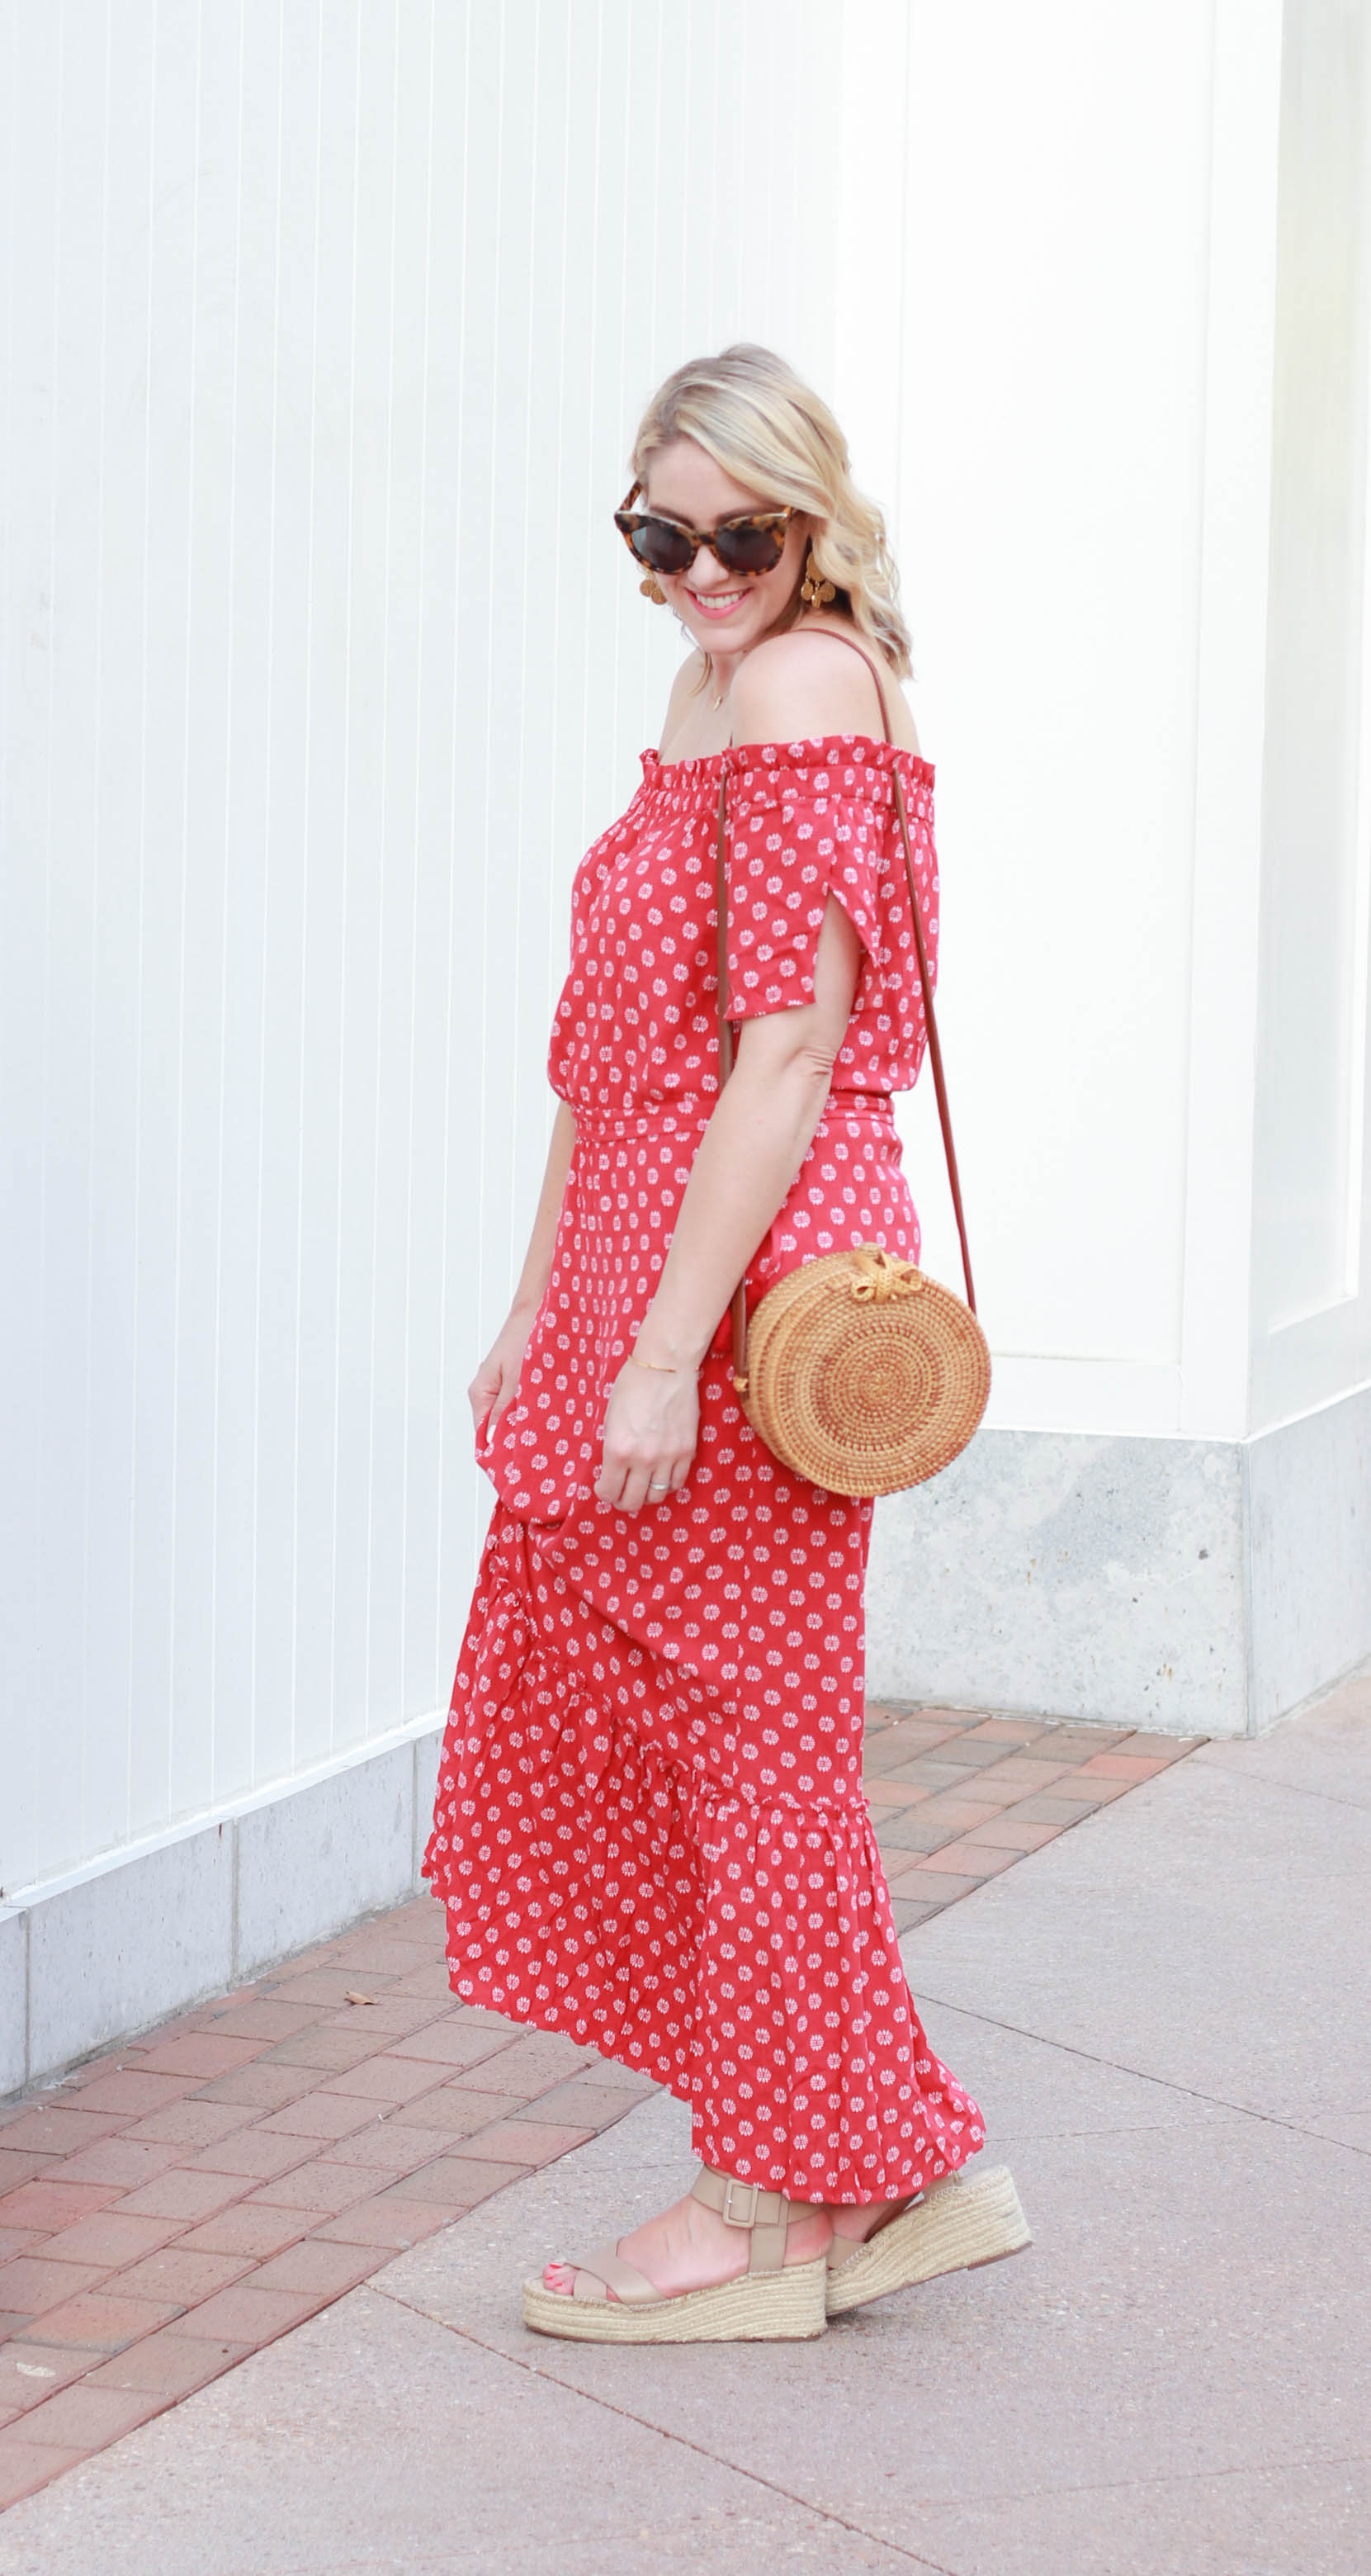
1164,2014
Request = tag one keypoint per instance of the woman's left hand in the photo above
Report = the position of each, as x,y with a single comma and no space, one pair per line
651,1426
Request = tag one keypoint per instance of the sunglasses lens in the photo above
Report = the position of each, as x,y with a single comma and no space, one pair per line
661,547
741,545
750,545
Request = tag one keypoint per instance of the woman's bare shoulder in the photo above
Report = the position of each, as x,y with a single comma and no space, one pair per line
810,682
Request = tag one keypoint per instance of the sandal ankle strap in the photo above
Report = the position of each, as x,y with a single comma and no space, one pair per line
765,2214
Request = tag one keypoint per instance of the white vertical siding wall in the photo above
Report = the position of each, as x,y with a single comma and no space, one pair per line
325,331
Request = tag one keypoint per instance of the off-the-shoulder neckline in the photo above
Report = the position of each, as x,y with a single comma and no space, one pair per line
787,755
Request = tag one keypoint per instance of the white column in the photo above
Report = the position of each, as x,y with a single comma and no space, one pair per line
1132,526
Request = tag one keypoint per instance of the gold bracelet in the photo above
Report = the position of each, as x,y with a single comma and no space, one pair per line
671,1368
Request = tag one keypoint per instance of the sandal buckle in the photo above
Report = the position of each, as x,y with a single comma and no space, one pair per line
731,2217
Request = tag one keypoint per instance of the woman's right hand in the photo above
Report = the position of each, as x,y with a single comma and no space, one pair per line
497,1378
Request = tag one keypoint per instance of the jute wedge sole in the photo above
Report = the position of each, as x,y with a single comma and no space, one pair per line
759,2307
771,2302
970,2219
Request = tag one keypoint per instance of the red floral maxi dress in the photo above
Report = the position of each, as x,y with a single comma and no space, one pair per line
649,1829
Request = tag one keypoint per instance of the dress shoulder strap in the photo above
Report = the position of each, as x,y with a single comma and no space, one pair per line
926,983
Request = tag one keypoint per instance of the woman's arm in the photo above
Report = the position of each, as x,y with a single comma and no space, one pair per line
757,1138
498,1375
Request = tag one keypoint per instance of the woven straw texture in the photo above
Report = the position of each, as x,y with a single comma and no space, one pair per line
761,2307
957,2225
862,1374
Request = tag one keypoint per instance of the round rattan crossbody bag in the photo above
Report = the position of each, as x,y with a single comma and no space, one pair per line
857,1370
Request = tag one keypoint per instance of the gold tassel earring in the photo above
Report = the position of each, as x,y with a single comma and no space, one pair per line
652,589
814,590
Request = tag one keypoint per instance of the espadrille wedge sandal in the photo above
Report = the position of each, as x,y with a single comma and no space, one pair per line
968,2219
771,2302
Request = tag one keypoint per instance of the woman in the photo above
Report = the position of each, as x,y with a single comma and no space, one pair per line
649,1829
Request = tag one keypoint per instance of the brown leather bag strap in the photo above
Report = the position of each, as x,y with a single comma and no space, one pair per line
934,1047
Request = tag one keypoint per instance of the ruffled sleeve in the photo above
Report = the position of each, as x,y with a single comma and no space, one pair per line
806,820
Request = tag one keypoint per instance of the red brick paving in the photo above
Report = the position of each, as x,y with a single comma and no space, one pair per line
117,2163
174,2364
31,2371
258,2154
26,2465
32,2284
110,2238
184,2278
186,2198
1010,1833
246,2315
244,2229
1122,1766
98,2322
323,2186
393,2224
54,2205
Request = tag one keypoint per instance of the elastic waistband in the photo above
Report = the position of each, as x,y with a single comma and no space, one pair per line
690,1110
665,1117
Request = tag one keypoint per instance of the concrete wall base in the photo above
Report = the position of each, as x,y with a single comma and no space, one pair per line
1194,1587
117,1948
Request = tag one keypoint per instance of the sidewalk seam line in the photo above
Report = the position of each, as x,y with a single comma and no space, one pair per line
1291,1788
1120,2486
1187,2092
536,2370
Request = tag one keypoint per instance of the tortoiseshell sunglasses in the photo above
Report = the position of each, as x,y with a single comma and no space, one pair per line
750,544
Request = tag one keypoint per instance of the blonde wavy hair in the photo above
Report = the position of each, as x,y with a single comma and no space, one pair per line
767,428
